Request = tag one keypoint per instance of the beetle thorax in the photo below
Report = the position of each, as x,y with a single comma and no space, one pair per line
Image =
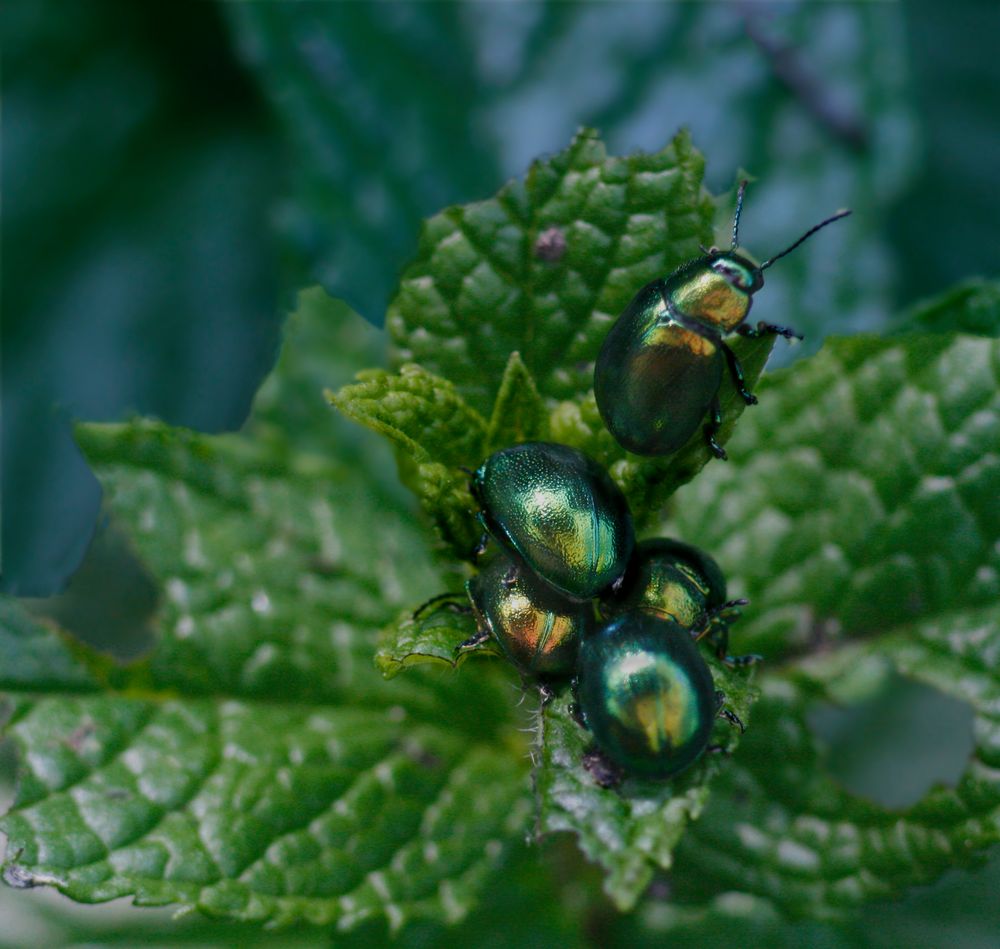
708,296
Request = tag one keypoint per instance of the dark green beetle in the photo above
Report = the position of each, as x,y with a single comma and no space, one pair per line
647,695
560,512
661,365
538,630
682,583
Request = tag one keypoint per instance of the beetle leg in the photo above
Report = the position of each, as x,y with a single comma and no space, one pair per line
453,601
767,329
736,371
480,548
720,639
545,693
713,426
728,715
751,658
716,631
604,772
472,642
574,707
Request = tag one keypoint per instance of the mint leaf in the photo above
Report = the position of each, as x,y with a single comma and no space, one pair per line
35,658
519,414
420,413
256,765
509,300
972,306
431,637
780,828
860,494
436,435
858,511
482,287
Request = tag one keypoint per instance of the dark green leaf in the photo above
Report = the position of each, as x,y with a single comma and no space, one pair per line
34,657
861,500
861,492
779,827
139,173
429,105
971,307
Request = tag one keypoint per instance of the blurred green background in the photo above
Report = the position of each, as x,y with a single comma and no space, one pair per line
173,173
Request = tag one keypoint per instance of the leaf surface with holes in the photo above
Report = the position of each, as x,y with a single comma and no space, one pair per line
255,765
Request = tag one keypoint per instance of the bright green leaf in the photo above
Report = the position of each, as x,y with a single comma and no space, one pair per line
519,413
432,637
436,435
420,413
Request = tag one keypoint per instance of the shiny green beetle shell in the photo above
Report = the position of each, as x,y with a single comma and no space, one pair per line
538,630
657,581
646,694
560,512
661,365
669,577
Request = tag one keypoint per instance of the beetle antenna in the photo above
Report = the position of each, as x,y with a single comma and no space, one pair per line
808,234
736,216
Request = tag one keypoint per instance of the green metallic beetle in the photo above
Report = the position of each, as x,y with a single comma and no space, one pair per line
679,582
538,630
660,368
647,696
560,512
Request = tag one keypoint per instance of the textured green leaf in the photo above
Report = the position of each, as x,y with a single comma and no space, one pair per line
420,413
35,658
630,831
779,827
860,501
519,414
255,765
434,637
971,307
509,313
482,287
436,435
861,491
